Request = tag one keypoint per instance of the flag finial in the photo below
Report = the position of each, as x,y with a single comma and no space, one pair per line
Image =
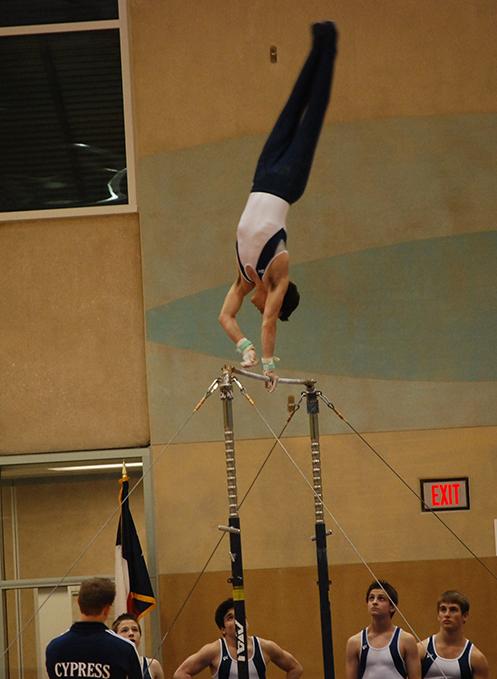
124,472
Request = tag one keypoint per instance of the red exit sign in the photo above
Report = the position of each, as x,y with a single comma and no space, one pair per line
442,495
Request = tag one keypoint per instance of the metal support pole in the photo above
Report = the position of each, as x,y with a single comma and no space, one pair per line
225,384
320,536
226,393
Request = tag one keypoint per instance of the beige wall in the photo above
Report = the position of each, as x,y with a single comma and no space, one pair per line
22,654
378,513
83,513
202,70
72,344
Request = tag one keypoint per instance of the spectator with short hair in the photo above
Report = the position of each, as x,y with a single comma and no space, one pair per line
89,648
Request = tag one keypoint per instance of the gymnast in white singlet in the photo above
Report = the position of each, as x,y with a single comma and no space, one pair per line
280,179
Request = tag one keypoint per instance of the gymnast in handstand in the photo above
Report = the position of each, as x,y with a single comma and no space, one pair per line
280,179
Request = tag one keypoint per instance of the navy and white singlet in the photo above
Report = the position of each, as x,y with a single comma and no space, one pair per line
261,233
228,669
435,667
145,668
286,159
381,663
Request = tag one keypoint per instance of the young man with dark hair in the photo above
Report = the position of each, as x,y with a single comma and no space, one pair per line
382,649
89,648
220,655
280,179
448,654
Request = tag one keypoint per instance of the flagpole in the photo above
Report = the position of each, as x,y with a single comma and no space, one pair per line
120,576
122,480
134,592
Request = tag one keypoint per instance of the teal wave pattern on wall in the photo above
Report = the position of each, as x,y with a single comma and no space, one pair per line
423,310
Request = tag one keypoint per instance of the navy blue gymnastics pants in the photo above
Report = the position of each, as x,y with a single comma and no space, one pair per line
286,159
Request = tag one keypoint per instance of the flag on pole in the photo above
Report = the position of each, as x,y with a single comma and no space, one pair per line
134,593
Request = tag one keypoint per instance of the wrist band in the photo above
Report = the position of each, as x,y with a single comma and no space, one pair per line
268,364
243,344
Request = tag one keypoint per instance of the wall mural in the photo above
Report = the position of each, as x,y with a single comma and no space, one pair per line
393,246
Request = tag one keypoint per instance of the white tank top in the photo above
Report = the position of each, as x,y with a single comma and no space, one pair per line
379,661
263,217
445,668
227,667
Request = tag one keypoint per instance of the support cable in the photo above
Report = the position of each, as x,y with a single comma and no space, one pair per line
92,541
211,555
330,513
427,508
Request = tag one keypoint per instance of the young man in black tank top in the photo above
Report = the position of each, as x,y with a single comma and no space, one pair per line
220,655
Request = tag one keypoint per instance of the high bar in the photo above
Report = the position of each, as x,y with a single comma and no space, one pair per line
281,380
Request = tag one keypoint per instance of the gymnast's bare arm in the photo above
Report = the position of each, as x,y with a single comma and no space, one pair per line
275,284
231,306
207,656
352,657
410,653
155,669
479,664
281,658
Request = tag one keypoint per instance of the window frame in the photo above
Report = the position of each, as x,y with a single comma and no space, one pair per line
121,24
